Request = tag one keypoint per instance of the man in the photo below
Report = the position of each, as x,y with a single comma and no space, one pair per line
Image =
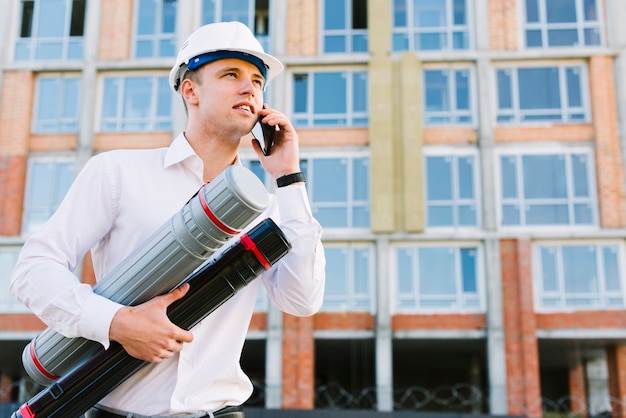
123,196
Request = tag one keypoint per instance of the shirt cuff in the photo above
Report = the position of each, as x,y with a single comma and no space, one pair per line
99,312
293,202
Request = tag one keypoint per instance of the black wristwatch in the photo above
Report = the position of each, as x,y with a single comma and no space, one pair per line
288,179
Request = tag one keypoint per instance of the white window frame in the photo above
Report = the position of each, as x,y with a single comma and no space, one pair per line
59,121
455,153
566,151
580,25
255,19
602,293
28,228
349,302
459,299
348,32
158,36
72,46
309,119
516,115
453,114
412,30
151,122
350,204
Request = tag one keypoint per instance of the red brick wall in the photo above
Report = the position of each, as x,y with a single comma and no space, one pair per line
302,27
522,357
15,116
503,25
609,169
115,30
578,389
616,361
298,363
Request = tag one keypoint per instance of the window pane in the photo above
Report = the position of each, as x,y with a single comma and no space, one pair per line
439,177
362,271
361,178
138,91
462,90
332,217
429,13
574,85
561,11
359,91
548,269
611,269
335,14
509,176
440,215
399,13
53,24
468,269
532,11
300,96
579,173
459,12
436,271
405,271
562,37
436,90
466,177
505,94
329,96
467,215
147,17
330,180
547,215
580,269
544,176
539,88
336,271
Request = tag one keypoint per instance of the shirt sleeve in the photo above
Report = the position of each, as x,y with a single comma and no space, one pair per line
296,283
44,279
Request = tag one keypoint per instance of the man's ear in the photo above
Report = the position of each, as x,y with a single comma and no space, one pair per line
188,91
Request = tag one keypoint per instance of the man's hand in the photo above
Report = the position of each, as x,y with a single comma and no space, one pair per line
146,332
285,155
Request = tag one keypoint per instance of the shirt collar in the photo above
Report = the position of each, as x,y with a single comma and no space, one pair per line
178,151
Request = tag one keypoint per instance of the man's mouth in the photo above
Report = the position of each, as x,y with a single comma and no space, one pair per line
244,107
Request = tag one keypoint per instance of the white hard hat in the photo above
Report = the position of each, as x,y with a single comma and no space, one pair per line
222,40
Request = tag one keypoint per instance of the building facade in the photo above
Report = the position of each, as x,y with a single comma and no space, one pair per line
465,158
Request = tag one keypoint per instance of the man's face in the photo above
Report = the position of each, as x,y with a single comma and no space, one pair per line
230,95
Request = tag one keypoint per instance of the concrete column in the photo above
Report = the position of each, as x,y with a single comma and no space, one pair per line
496,353
89,83
274,358
384,334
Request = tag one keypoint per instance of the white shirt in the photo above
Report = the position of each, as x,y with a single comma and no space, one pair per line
116,202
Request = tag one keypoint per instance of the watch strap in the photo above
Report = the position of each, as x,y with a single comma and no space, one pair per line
288,179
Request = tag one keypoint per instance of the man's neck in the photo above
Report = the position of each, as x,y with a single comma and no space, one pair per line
216,154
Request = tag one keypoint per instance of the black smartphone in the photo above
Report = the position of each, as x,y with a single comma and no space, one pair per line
264,134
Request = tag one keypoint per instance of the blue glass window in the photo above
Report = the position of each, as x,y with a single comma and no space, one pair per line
51,30
338,98
136,103
439,278
562,23
542,94
156,29
430,25
350,278
344,26
580,276
547,189
56,104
